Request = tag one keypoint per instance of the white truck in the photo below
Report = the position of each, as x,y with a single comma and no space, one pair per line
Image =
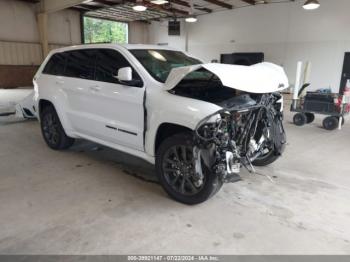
198,123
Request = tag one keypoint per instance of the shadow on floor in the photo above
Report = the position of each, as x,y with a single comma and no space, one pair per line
129,164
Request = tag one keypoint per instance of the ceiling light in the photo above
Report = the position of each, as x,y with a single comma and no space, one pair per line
191,19
311,5
159,2
139,6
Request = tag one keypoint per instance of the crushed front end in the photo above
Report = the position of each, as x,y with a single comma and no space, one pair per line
248,127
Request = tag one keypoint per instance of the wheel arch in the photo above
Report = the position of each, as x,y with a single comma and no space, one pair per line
166,130
43,103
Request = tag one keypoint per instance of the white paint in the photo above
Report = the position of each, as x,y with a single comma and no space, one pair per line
85,107
9,98
259,78
297,80
286,33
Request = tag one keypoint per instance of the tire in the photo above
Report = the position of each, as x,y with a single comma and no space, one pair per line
299,119
52,130
167,162
309,118
330,123
266,159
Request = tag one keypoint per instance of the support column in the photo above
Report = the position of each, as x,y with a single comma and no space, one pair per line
43,33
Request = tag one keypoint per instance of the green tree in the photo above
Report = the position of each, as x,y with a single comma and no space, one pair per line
104,31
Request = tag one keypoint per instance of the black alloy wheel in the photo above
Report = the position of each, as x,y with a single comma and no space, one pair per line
176,171
52,130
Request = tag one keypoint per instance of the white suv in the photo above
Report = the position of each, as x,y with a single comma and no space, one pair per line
198,123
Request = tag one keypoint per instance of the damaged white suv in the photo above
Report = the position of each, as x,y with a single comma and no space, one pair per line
198,123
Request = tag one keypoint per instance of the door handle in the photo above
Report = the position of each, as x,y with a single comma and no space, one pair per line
95,88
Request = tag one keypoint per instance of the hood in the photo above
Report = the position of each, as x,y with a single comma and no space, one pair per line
258,78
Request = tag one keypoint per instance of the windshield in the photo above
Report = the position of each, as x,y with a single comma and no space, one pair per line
160,62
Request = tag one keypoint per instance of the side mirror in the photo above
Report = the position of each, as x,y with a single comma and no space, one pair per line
125,74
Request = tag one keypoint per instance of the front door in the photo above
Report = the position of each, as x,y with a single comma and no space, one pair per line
346,72
118,107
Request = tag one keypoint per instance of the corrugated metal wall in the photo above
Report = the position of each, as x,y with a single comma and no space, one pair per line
19,62
15,53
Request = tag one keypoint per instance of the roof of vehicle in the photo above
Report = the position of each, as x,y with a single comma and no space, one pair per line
111,45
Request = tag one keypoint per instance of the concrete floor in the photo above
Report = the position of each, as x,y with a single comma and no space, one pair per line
93,200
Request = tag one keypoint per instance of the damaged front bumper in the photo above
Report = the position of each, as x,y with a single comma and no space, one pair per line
235,137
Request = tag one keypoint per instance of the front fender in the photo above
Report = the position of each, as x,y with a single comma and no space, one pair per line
163,107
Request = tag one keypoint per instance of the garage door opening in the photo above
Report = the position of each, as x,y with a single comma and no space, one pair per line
98,30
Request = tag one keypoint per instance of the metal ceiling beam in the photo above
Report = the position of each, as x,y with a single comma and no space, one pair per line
251,2
162,8
186,4
50,6
89,7
105,3
31,1
219,3
180,2
77,8
104,8
201,8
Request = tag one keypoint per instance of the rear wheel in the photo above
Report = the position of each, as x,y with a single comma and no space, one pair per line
52,130
330,123
175,169
299,119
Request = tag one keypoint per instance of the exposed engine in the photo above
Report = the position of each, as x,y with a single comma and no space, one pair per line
248,127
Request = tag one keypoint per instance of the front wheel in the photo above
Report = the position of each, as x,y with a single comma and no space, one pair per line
266,159
175,169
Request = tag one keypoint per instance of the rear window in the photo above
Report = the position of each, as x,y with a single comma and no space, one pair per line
80,64
56,64
91,64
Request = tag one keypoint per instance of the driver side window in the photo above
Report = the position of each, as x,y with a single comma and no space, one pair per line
108,62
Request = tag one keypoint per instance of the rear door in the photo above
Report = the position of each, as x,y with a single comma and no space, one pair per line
77,83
